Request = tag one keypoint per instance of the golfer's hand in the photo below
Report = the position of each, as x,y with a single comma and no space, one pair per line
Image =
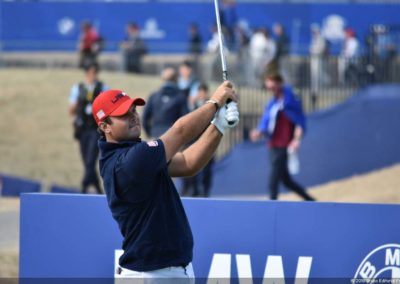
225,114
232,114
224,92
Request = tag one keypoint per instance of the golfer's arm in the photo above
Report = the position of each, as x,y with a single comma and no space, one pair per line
186,129
194,158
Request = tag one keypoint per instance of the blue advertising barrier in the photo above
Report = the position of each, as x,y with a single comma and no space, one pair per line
55,25
62,189
14,186
75,237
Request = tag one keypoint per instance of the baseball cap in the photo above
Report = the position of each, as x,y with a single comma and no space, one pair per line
113,103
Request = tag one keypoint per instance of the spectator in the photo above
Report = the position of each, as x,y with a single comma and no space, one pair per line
318,52
90,44
283,122
262,52
188,82
200,184
85,128
282,44
213,43
165,106
213,55
195,42
384,53
243,35
347,64
384,47
133,49
229,20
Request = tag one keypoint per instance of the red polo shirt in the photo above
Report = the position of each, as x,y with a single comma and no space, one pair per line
283,133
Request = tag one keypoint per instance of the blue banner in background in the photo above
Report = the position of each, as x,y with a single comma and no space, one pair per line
55,25
74,236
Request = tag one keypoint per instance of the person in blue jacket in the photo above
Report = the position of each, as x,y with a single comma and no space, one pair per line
283,123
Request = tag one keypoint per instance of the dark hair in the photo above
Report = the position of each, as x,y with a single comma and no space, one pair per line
133,25
187,63
86,24
91,65
203,87
265,32
276,77
194,26
107,120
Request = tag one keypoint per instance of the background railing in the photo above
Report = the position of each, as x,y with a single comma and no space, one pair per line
335,84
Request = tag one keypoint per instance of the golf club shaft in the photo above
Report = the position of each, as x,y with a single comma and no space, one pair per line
221,45
221,50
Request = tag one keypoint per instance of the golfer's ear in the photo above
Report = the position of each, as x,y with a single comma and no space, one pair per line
105,127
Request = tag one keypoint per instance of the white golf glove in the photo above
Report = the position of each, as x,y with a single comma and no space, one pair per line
227,113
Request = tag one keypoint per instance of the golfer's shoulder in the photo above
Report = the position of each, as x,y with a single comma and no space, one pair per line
140,162
141,152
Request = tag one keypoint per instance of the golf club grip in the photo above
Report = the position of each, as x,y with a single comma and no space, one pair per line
230,122
225,78
224,75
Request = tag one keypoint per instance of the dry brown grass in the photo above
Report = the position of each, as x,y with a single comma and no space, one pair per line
382,186
36,140
9,251
9,263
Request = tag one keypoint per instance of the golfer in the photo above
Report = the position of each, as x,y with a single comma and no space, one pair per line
158,241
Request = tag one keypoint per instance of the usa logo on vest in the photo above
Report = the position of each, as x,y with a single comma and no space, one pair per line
152,143
381,263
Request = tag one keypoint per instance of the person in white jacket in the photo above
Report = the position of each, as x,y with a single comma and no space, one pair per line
347,60
262,52
318,52
213,56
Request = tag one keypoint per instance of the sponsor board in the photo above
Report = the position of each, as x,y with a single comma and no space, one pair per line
74,236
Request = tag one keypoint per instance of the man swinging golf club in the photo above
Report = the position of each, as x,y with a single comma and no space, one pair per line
158,241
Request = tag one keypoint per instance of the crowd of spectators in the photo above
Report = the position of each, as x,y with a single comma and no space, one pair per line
261,50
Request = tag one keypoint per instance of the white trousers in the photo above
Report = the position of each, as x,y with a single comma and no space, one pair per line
168,275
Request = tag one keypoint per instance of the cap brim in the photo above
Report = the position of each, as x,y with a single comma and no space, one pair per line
125,106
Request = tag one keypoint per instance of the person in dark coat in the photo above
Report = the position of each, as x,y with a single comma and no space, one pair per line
133,48
165,106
